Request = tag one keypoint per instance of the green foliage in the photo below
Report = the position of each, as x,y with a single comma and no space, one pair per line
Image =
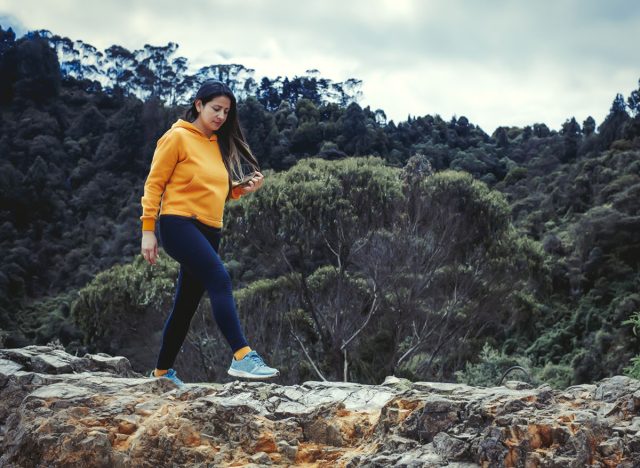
633,370
491,365
515,174
556,375
47,319
453,205
316,206
634,321
121,291
30,71
534,247
323,212
553,345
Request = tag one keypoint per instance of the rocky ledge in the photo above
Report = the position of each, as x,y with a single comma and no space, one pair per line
62,410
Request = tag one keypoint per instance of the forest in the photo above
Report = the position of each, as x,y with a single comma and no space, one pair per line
426,248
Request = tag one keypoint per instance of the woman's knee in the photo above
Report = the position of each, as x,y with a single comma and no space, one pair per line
219,278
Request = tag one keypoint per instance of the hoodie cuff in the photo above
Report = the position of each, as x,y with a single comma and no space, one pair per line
148,224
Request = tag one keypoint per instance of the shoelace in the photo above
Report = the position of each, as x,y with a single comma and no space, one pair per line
257,359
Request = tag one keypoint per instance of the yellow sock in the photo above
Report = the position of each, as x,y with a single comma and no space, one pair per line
242,352
159,372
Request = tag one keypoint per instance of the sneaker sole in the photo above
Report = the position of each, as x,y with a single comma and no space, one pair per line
247,375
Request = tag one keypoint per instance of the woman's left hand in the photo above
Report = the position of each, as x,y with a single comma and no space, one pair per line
253,185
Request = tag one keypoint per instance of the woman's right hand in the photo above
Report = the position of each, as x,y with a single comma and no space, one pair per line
149,247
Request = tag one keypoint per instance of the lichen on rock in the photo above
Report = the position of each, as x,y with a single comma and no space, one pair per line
62,410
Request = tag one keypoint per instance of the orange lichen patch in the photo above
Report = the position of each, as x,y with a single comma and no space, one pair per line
574,428
317,454
576,404
192,439
354,425
207,449
121,442
511,458
79,411
127,427
92,422
399,410
613,461
409,405
511,443
566,418
45,426
540,435
265,443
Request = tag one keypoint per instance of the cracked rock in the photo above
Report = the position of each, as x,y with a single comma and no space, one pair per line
61,410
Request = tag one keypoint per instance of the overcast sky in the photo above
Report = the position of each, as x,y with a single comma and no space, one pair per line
495,62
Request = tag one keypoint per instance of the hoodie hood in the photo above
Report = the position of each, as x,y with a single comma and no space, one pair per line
180,123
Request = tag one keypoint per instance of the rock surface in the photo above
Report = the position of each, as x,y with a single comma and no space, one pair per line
62,410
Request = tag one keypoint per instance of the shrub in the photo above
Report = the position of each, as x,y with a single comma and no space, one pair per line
489,370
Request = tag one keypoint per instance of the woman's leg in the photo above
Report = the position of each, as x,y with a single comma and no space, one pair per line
196,253
188,294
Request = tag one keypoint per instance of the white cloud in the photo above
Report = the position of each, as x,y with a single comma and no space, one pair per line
496,62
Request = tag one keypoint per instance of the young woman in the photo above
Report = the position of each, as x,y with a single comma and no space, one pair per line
189,181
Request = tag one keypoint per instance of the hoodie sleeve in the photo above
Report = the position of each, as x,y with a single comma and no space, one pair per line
164,161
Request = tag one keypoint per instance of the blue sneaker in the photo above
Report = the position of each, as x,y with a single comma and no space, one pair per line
171,375
251,367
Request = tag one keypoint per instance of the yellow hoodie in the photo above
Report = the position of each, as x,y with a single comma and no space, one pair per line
187,178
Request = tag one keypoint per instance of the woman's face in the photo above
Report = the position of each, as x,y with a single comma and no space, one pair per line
214,113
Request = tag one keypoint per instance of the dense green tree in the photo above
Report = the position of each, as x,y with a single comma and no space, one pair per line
589,126
30,67
8,69
632,128
613,126
541,130
73,158
259,128
571,132
355,135
634,101
268,95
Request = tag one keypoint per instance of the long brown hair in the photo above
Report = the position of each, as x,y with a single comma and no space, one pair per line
235,150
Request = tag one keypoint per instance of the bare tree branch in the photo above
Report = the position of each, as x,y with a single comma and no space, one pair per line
372,309
304,350
345,366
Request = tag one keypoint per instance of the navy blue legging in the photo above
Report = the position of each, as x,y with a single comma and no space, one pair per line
195,246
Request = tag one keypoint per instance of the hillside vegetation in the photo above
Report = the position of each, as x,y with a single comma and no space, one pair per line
425,248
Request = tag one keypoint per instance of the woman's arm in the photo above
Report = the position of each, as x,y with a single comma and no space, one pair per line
164,162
